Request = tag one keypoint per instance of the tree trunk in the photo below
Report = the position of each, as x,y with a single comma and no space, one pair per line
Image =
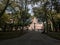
16,28
52,26
46,22
4,28
2,12
44,27
21,29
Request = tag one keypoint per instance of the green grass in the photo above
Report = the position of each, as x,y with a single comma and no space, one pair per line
9,35
55,35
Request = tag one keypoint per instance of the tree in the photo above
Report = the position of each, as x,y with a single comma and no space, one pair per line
2,12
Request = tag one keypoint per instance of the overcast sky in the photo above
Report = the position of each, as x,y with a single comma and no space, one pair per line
30,7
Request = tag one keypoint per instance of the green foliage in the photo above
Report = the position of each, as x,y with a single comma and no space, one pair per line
5,5
6,18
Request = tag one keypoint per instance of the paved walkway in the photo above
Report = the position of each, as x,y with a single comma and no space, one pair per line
32,38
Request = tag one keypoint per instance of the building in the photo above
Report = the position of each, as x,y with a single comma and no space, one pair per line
35,25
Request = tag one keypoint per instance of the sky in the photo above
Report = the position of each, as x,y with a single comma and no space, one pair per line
30,7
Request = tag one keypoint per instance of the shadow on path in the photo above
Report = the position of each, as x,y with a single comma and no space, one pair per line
31,38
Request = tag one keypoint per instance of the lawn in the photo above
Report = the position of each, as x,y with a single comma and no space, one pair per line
55,35
9,35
